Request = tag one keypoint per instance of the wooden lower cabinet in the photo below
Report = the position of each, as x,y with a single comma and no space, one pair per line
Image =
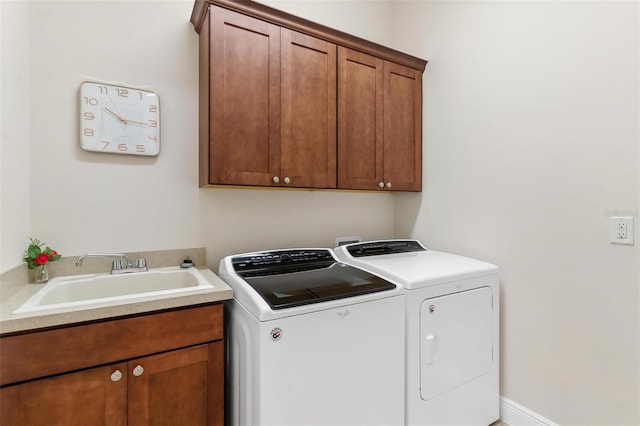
88,397
182,387
102,375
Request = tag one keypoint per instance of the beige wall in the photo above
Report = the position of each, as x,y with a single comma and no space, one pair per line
15,196
79,201
531,141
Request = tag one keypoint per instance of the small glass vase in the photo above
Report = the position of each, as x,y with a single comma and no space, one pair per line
42,274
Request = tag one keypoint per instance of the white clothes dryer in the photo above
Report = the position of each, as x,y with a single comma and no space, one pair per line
452,329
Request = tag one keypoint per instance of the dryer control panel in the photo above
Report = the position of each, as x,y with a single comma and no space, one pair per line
377,248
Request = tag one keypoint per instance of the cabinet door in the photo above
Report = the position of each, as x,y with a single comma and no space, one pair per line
360,120
244,99
402,127
90,397
308,138
183,387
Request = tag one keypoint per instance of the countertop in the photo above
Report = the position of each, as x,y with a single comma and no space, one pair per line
15,289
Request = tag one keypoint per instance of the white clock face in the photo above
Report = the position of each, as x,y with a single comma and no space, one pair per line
119,120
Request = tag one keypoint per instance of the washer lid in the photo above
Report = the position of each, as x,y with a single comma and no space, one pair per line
411,266
288,278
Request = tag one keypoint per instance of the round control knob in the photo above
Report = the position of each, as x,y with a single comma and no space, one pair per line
116,376
276,179
287,180
388,185
381,184
138,371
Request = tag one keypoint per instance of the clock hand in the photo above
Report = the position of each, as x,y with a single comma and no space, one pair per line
120,119
139,123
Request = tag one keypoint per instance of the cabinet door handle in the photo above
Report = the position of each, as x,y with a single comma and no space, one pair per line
275,179
388,185
138,371
381,184
116,376
287,180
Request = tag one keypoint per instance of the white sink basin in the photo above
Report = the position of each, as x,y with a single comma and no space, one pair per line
82,290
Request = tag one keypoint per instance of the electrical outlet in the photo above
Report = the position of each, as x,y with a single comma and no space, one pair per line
621,230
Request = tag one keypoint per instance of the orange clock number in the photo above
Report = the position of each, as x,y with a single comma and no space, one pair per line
123,147
123,93
153,138
90,101
89,132
105,144
153,123
140,148
89,116
153,108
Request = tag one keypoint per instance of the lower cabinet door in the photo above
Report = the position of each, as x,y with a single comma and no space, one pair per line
92,397
182,387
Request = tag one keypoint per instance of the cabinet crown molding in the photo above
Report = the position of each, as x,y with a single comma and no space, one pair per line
295,23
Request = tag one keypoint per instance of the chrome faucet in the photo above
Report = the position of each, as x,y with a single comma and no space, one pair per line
118,265
116,255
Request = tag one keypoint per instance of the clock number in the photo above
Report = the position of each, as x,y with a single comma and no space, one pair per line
89,132
153,108
88,116
105,144
153,138
153,123
90,101
103,89
123,93
140,148
123,147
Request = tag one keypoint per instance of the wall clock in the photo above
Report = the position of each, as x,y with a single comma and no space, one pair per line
119,120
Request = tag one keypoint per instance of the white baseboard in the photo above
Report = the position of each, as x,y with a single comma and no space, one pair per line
515,414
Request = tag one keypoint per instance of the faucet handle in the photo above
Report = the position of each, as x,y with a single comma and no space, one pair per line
117,265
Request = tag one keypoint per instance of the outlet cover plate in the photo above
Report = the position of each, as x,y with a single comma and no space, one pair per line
621,230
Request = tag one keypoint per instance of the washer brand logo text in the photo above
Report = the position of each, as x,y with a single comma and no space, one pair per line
344,314
276,334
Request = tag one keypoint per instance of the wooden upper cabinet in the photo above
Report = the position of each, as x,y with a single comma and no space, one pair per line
243,137
308,96
287,102
379,123
402,128
360,123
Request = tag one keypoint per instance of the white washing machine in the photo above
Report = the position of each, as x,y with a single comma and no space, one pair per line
312,341
452,326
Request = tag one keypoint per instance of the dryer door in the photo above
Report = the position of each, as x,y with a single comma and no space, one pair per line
456,347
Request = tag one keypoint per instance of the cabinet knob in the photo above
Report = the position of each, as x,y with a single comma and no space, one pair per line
138,371
381,184
116,376
388,185
275,179
287,180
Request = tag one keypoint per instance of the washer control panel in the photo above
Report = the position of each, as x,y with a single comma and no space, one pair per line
279,259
